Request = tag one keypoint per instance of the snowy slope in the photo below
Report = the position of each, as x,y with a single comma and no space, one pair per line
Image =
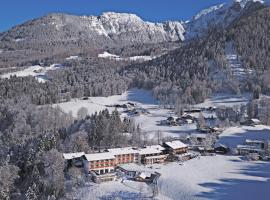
36,71
109,29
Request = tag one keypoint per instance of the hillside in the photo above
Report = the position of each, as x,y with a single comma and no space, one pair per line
65,35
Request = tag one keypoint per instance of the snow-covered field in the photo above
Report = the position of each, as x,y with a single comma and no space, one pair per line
149,123
224,99
237,135
36,71
73,58
216,177
116,57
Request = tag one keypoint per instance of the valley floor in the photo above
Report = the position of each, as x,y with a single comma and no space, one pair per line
149,123
210,177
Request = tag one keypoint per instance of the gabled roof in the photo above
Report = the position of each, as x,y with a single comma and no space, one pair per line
255,141
69,156
176,144
255,120
99,156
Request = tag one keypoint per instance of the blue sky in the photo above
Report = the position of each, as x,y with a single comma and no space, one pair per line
13,12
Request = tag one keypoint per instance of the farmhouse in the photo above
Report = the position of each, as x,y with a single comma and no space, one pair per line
175,147
100,163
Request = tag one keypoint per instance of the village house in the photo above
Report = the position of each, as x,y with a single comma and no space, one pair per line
251,122
221,148
197,137
247,149
125,155
100,163
175,147
74,159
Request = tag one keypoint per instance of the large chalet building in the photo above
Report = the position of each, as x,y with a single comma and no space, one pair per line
175,147
103,163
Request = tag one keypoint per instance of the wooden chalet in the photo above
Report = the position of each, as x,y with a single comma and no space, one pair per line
175,147
151,154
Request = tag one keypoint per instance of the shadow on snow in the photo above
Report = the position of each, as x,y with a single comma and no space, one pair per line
235,189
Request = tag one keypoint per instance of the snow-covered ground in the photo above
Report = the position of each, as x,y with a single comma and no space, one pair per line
237,135
73,58
36,71
216,177
149,123
224,99
116,57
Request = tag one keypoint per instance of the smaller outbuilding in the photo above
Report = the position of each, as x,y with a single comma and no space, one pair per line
74,159
221,149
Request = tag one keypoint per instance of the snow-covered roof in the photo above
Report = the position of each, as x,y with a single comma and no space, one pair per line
255,141
155,149
249,147
145,175
99,156
255,120
176,144
121,151
69,156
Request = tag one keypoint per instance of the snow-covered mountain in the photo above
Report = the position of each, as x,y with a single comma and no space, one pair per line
108,29
219,15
